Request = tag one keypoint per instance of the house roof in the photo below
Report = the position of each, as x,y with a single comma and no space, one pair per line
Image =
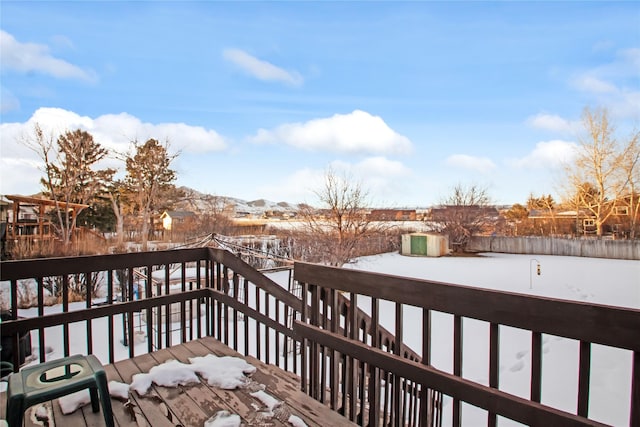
45,202
177,214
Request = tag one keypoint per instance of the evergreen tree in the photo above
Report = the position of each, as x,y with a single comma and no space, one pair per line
148,179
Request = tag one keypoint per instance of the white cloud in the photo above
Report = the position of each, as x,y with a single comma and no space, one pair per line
113,131
380,177
614,84
260,69
122,128
298,187
551,122
464,161
19,176
547,154
8,102
593,84
33,57
380,166
356,132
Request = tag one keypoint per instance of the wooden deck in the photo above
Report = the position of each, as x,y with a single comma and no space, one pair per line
191,406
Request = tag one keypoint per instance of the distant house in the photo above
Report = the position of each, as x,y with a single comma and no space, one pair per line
621,220
393,215
30,217
174,220
445,213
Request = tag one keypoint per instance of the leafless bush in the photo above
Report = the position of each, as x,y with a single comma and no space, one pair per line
77,285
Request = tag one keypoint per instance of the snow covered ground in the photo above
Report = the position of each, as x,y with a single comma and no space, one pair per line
611,282
602,281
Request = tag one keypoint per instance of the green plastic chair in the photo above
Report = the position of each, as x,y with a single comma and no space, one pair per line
54,379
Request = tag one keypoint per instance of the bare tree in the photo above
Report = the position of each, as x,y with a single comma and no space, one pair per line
216,218
631,170
70,174
597,165
343,220
464,213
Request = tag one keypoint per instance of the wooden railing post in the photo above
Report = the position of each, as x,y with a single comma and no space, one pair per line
494,365
635,391
304,317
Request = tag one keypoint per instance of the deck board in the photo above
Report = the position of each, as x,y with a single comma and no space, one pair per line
192,405
234,401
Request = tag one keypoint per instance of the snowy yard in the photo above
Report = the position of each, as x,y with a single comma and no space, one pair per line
589,280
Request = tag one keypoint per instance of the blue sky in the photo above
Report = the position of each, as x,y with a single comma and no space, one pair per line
261,98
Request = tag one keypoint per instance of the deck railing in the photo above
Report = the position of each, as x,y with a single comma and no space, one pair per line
344,356
347,348
154,300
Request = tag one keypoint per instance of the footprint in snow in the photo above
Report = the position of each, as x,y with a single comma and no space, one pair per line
517,367
521,354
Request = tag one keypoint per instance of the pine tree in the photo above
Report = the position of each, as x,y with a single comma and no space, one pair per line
148,178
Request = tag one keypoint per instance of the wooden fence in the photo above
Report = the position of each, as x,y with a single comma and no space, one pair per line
589,247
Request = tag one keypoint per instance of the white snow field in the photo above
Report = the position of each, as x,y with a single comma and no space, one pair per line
591,280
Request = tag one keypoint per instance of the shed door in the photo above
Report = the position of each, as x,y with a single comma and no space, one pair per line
418,245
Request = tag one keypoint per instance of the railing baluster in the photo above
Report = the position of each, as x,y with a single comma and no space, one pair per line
425,409
362,375
536,366
245,291
277,335
198,304
634,418
374,373
397,390
88,296
343,311
267,332
387,397
190,311
304,318
65,309
334,358
110,328
258,340
183,306
314,361
131,341
236,284
225,308
494,365
40,314
148,286
324,302
584,374
219,303
457,365
167,308
166,322
352,363
208,306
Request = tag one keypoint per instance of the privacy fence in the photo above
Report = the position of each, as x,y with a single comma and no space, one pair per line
594,248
